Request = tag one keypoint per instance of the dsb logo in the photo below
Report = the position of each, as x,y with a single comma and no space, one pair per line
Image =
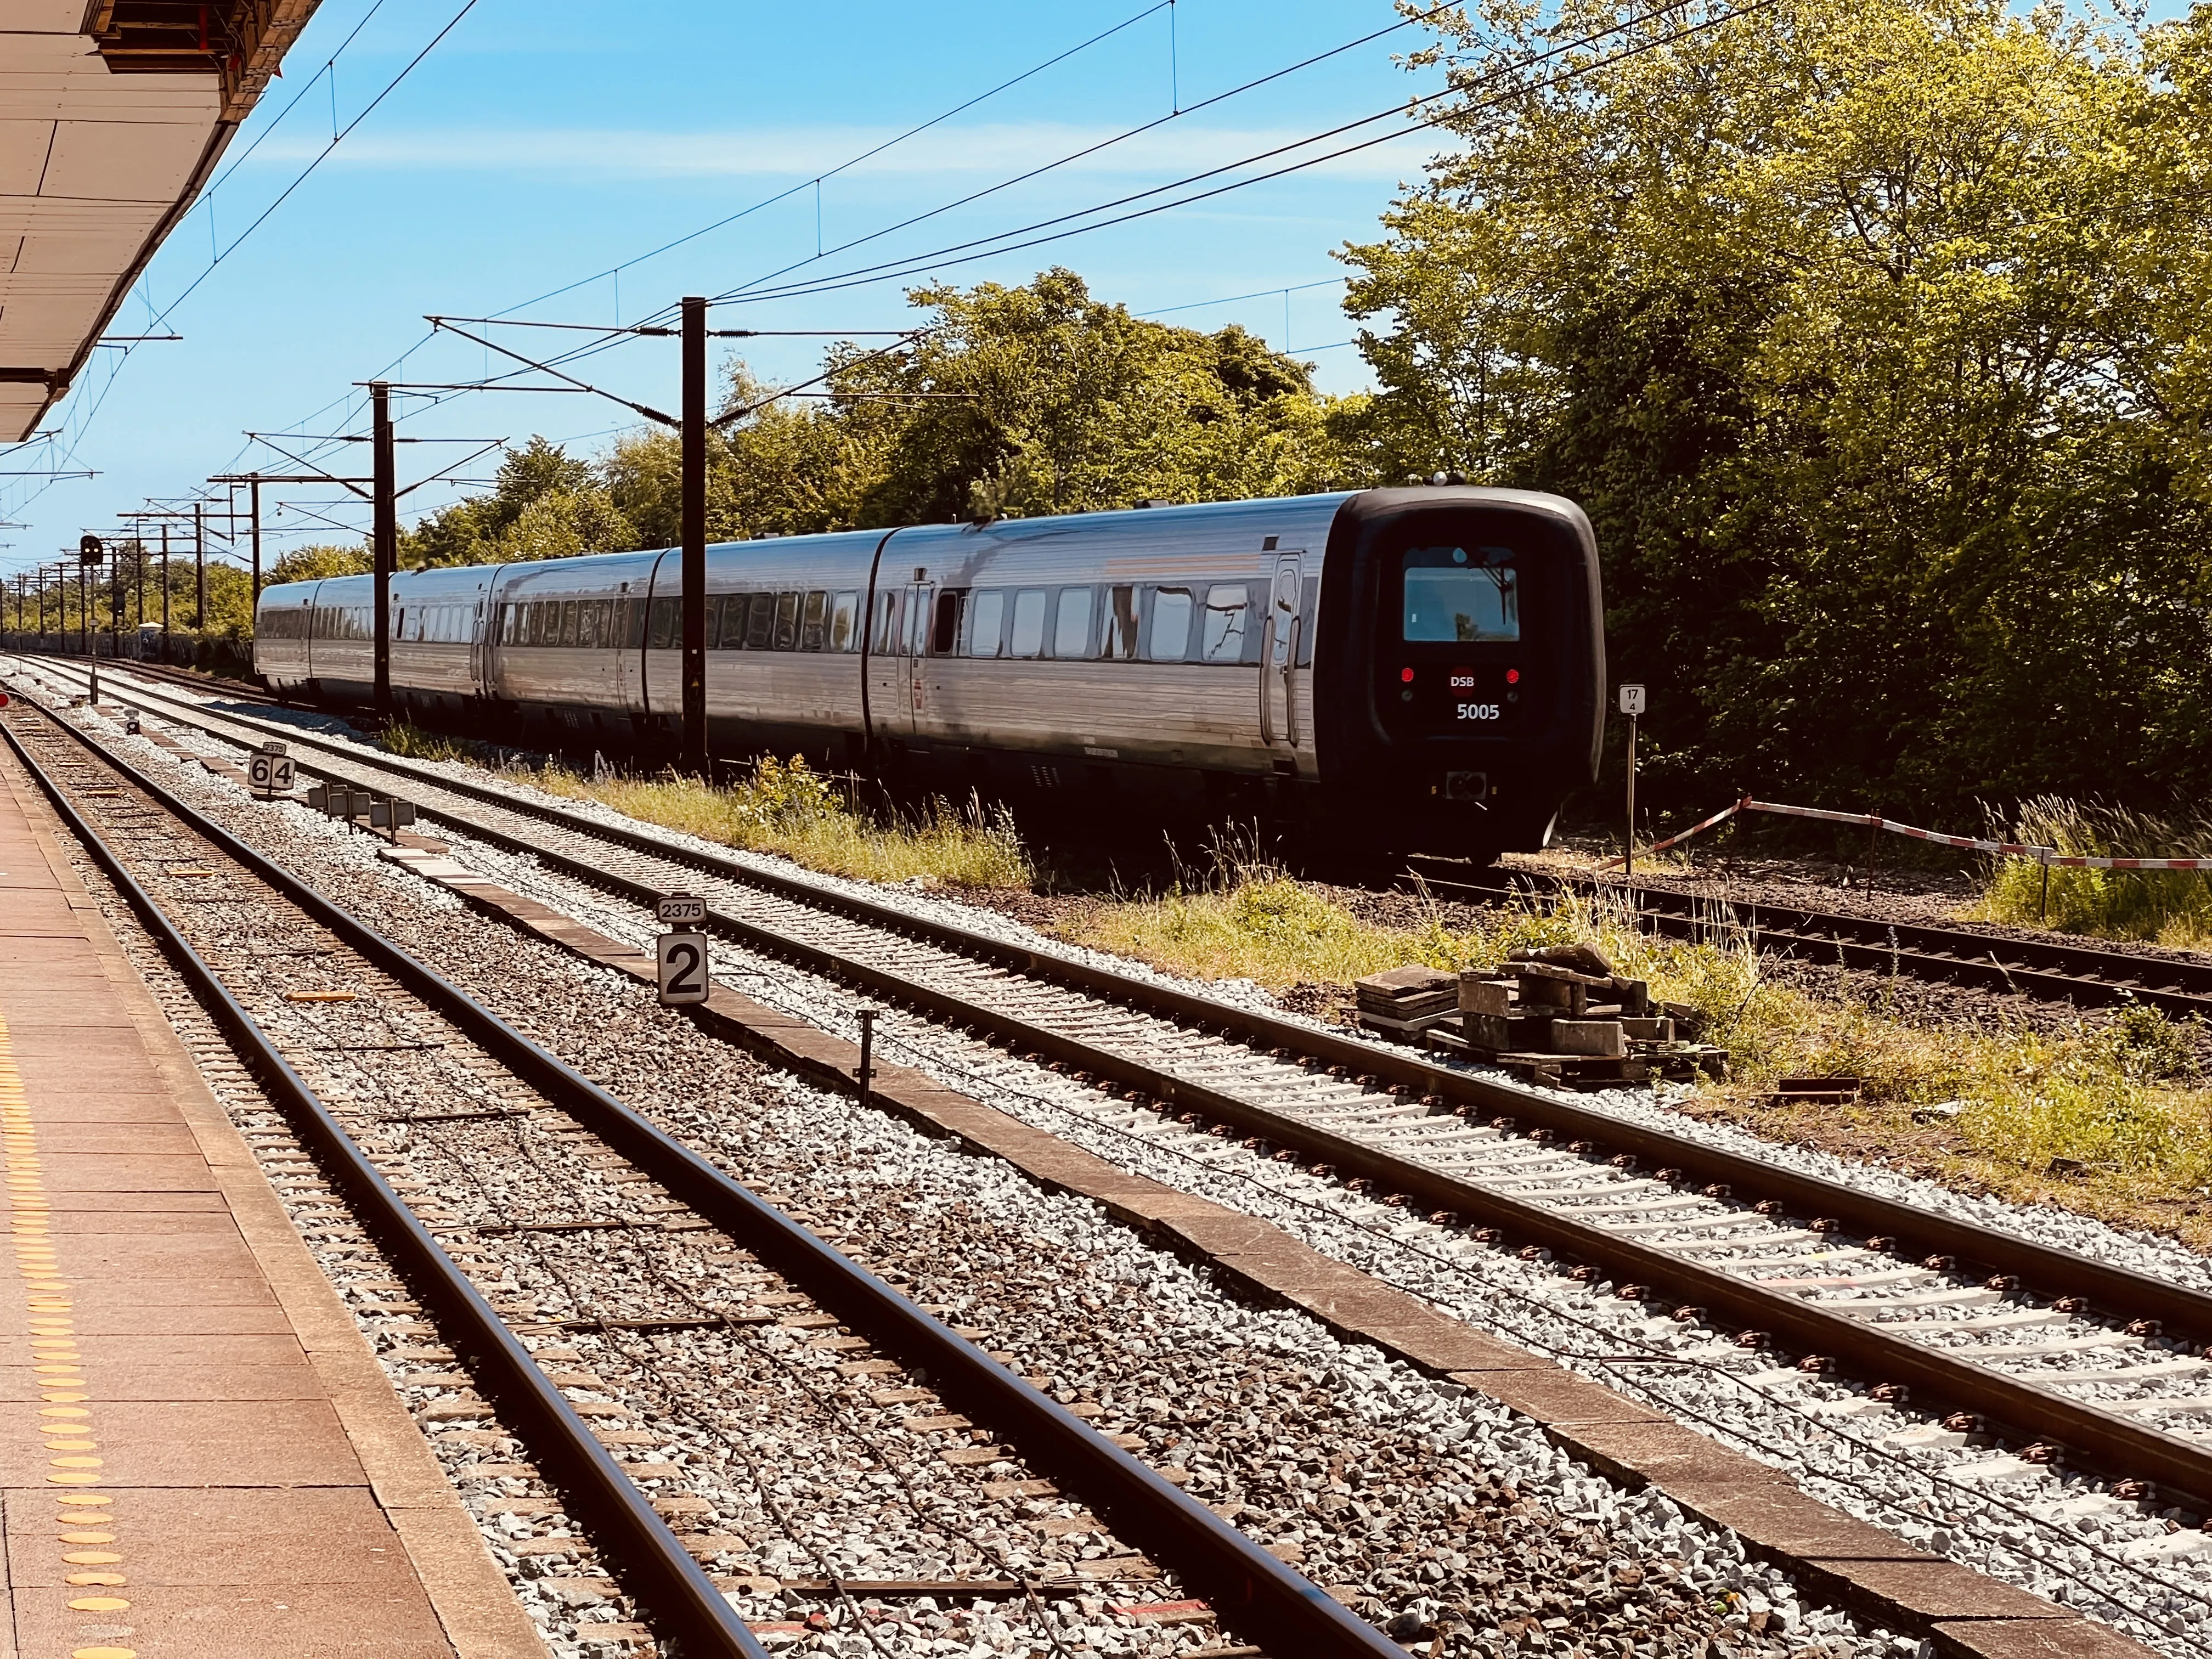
1462,679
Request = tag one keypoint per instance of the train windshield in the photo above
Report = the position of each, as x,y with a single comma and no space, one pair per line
1461,594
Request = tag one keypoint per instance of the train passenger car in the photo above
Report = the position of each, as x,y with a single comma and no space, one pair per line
1390,670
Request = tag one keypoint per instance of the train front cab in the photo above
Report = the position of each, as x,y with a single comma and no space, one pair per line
1460,670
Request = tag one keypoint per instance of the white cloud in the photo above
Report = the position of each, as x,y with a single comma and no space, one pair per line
803,152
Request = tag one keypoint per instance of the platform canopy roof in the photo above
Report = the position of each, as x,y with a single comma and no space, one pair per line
112,115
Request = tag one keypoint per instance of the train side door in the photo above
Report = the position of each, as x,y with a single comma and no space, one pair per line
913,656
1279,647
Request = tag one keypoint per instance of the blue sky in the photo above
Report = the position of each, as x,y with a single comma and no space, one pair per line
537,146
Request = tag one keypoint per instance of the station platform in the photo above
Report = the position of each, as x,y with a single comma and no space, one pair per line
199,1455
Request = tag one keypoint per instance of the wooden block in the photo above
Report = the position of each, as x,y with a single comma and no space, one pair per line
1478,994
1404,981
1523,1033
1602,1038
1657,1028
1570,997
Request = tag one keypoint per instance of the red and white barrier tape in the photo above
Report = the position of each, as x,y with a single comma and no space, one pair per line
2044,855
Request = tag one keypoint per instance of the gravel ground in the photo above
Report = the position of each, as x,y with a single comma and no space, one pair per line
2058,1537
1425,1507
2062,1536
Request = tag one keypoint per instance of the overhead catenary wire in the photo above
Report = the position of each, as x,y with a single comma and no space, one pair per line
865,156
1176,114
315,161
846,166
1042,231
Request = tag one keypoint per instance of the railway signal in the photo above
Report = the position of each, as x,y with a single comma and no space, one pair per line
1631,704
680,954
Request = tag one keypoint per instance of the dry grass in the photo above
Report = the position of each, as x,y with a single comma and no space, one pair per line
2111,1121
784,807
788,808
2171,907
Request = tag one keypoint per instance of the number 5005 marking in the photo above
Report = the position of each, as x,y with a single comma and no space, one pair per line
682,962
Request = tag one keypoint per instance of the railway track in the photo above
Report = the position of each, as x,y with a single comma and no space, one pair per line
2052,1347
2059,971
381,1067
2049,971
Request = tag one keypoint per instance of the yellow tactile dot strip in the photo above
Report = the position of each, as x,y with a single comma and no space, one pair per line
85,1527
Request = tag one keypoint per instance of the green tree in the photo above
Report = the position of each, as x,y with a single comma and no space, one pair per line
545,504
1864,332
316,561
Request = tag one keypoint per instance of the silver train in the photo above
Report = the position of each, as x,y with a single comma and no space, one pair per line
1383,672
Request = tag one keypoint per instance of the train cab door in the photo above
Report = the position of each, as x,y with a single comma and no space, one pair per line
1279,648
914,657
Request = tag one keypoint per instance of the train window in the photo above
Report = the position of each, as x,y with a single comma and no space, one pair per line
787,621
587,624
759,610
844,611
1071,629
660,633
986,622
1226,607
886,623
733,620
1170,635
945,637
814,621
630,623
1121,625
1461,594
1028,623
568,623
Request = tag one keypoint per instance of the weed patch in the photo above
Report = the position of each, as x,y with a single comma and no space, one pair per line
788,808
2173,906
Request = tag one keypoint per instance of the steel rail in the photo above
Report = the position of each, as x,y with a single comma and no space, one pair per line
678,1596
2115,1443
1251,1592
2118,1291
191,679
2048,971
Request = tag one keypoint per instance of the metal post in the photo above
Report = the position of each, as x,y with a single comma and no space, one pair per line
694,536
92,651
2043,905
866,1075
83,614
1629,857
385,533
199,573
256,543
165,590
